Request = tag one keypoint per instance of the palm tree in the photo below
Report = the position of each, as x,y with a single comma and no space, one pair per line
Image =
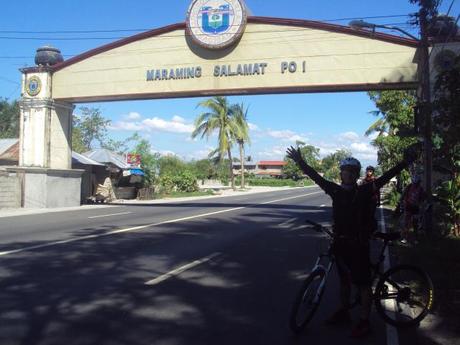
219,118
242,136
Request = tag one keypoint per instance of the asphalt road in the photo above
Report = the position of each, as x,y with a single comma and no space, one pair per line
215,271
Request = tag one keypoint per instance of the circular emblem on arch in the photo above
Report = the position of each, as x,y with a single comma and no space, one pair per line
33,86
216,24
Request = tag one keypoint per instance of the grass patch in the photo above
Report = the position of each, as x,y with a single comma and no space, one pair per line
185,194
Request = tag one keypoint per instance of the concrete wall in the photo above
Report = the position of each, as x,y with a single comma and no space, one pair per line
10,190
48,188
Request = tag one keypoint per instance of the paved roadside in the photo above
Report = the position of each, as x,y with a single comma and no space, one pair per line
16,212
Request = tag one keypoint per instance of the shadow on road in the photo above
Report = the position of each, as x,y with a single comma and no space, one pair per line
93,291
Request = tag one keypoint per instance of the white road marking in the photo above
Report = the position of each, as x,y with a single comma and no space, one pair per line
109,215
287,222
181,269
141,227
392,333
322,205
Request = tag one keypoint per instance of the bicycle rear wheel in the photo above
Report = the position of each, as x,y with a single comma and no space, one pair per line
404,295
307,300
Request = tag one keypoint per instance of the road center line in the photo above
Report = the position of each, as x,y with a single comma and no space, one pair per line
109,215
141,227
181,269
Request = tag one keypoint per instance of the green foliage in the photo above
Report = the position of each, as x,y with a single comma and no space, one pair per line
310,154
9,119
396,118
171,165
291,170
89,127
392,197
120,146
241,136
330,164
185,181
229,121
446,124
203,169
149,161
448,193
166,183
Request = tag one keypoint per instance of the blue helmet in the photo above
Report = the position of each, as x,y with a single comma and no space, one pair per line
351,162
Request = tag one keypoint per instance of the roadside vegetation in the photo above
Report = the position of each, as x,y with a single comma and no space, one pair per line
438,248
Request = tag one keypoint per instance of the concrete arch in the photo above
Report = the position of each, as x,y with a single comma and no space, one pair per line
288,56
273,56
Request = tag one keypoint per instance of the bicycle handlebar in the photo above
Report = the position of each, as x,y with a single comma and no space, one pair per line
387,237
320,228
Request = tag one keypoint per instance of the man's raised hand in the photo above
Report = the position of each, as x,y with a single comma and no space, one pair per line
294,154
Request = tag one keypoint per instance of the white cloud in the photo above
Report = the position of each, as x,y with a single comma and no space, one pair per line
276,152
133,116
161,125
349,136
253,127
178,119
360,146
286,135
176,125
126,126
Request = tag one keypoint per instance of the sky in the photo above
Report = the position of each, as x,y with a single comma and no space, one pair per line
329,121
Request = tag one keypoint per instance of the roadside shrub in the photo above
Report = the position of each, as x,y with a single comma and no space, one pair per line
185,181
391,198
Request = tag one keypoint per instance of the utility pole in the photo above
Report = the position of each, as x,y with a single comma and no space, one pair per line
425,97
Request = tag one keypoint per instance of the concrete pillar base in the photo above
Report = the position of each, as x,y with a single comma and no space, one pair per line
49,188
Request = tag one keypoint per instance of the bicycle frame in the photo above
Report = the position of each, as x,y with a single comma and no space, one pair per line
376,271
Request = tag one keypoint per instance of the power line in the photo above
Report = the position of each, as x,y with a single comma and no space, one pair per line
147,29
123,37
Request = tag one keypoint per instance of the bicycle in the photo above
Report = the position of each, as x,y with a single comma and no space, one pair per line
403,295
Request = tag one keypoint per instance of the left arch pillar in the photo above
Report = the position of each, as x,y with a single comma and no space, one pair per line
45,146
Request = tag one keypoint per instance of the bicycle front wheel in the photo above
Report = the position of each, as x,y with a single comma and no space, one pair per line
307,300
404,295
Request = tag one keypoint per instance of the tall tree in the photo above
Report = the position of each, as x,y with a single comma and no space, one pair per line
331,164
240,114
218,118
446,126
309,153
395,110
149,161
9,119
89,127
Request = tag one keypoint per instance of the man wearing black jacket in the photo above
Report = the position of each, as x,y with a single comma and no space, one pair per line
351,218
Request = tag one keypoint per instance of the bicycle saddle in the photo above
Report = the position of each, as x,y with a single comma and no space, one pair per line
388,236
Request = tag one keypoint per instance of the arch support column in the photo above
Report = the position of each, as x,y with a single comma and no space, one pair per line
46,132
45,146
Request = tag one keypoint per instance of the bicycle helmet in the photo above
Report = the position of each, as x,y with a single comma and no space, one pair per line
351,162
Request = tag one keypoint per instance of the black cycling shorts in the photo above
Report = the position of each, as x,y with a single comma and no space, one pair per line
353,260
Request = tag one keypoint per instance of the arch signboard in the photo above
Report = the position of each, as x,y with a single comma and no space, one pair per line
272,56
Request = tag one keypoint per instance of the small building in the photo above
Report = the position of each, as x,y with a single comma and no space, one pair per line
249,168
9,152
126,179
270,168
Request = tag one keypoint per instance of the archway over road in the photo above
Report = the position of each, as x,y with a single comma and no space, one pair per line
272,56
